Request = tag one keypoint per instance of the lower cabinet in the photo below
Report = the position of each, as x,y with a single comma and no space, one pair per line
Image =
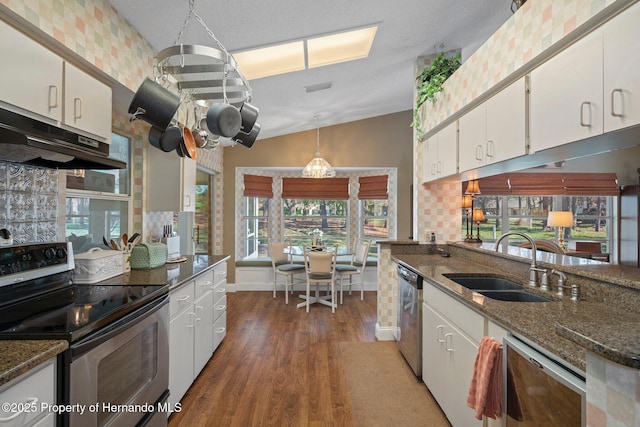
219,304
23,397
447,366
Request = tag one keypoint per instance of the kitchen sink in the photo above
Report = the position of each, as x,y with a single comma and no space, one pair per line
514,296
497,288
487,283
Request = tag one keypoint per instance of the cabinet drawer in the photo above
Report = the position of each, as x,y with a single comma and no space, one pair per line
219,308
464,318
220,273
28,392
219,330
181,298
204,283
219,291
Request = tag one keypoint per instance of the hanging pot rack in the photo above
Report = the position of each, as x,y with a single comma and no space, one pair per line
204,73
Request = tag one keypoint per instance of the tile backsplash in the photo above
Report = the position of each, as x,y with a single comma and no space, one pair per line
29,202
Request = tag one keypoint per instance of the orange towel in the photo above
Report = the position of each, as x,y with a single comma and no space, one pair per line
485,392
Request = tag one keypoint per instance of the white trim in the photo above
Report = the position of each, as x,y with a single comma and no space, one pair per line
384,333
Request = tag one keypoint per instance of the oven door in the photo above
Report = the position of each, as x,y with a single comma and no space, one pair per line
120,375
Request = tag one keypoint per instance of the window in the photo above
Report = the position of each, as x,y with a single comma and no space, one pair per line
256,227
592,217
98,201
319,220
374,224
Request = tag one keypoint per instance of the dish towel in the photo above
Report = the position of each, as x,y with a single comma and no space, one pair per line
485,392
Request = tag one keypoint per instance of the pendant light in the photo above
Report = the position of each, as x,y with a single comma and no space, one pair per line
318,167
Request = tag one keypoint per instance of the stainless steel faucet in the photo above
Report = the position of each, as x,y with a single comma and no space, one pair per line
562,280
533,270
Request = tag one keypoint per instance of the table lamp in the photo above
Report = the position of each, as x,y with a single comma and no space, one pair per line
477,216
467,205
560,219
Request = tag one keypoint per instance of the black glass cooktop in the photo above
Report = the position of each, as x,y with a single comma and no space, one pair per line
74,311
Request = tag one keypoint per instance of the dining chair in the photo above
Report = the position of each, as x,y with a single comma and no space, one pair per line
356,267
320,266
283,265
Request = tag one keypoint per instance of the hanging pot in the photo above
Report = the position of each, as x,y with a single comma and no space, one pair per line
247,139
154,104
170,138
249,114
200,135
224,120
188,143
165,143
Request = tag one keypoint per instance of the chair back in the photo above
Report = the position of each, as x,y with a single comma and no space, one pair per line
323,261
278,253
362,252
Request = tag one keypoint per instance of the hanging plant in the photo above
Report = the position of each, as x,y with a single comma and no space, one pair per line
430,82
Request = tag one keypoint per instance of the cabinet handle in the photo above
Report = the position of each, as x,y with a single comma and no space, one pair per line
221,307
490,148
433,168
198,307
32,403
478,152
53,89
220,330
221,291
448,338
77,108
193,325
582,122
613,105
439,332
207,283
184,298
439,168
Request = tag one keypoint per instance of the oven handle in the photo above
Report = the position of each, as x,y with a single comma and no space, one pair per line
119,326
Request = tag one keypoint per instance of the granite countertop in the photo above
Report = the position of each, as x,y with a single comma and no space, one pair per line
20,356
172,274
563,327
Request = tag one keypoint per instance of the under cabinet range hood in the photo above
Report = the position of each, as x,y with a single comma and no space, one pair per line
27,140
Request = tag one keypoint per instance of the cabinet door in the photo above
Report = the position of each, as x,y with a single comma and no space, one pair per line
429,158
621,65
203,346
171,181
433,330
473,138
505,125
31,76
461,355
448,151
566,95
181,356
87,103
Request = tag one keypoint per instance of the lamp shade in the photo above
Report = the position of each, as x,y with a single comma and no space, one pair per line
560,219
473,187
467,201
477,215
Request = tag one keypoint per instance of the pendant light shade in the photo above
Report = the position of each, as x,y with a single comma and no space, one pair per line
318,167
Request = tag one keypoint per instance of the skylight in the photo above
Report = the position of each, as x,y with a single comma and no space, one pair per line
308,53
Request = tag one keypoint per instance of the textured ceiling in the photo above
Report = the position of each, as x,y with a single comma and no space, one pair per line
380,84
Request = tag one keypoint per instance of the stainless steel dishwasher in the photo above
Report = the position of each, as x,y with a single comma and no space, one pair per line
409,325
539,389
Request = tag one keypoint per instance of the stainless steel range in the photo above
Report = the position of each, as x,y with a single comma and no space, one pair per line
118,335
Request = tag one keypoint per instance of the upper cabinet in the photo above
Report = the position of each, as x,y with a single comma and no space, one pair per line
621,65
37,80
495,130
171,182
31,75
566,95
87,102
440,154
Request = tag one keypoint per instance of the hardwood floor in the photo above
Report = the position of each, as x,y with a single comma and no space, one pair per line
278,365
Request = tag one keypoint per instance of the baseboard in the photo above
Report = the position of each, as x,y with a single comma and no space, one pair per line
385,333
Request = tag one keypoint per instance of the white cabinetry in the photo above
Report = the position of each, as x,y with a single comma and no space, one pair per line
440,154
171,181
495,130
87,103
39,81
451,335
566,95
621,65
219,304
181,341
203,308
27,393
